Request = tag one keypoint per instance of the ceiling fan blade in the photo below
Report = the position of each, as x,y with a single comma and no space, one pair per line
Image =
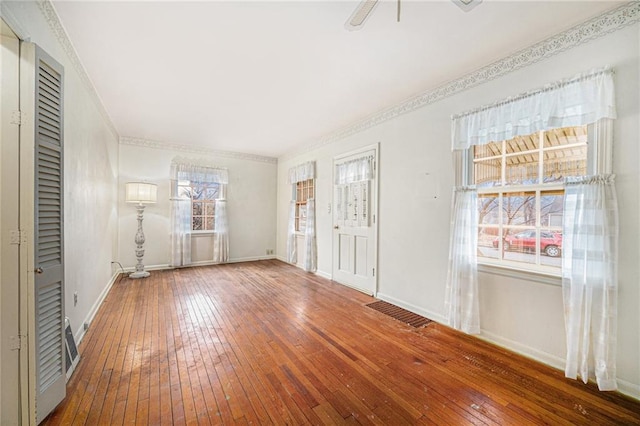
467,5
360,15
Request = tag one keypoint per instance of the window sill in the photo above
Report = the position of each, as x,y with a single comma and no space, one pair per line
203,232
520,274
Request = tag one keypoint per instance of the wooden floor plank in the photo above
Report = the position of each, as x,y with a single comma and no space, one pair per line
267,343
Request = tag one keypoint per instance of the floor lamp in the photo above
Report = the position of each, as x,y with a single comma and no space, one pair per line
140,193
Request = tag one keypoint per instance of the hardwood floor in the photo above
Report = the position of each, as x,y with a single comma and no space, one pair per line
266,343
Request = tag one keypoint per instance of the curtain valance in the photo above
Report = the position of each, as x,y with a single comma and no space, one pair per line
354,171
583,99
199,173
302,172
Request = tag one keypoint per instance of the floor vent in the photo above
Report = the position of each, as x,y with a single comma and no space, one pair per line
400,314
73,357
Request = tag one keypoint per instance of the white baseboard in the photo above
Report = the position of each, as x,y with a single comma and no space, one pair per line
630,389
522,349
413,308
252,259
79,335
624,387
324,275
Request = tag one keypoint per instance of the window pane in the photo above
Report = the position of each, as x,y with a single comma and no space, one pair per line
488,242
519,208
551,208
184,192
197,208
565,136
521,169
520,245
491,149
197,192
521,144
209,224
212,192
565,153
488,209
209,209
197,223
488,173
299,194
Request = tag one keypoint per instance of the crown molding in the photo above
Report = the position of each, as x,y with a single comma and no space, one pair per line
597,27
51,16
146,143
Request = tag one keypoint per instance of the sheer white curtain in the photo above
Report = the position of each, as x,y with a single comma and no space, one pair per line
589,278
180,229
180,234
221,238
461,296
583,99
300,173
354,171
292,255
310,260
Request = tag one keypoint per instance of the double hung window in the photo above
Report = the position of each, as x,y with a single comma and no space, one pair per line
521,193
203,196
303,191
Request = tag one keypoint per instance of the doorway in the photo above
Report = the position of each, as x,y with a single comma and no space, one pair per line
355,227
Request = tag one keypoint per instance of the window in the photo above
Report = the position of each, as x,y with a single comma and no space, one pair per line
520,196
203,196
303,191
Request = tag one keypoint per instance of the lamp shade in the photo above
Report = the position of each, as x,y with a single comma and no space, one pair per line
141,192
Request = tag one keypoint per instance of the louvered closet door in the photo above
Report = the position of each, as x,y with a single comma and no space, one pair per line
49,266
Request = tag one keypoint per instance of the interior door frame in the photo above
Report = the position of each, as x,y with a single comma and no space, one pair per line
373,208
13,345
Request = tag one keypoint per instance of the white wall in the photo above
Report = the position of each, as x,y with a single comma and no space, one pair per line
90,176
251,205
416,178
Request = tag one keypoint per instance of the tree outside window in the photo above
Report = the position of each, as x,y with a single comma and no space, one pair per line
203,196
521,195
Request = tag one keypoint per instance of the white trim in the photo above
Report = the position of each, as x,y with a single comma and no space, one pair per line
527,351
51,16
433,316
162,267
10,19
627,388
526,275
594,28
81,331
148,143
323,274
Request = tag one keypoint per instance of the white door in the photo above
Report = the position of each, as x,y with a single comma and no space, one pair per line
354,219
41,215
10,341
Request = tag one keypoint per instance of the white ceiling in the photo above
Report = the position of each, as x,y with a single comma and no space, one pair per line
266,77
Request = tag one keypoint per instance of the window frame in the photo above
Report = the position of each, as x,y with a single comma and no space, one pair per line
599,161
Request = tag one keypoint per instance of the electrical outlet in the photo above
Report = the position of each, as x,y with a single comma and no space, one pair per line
270,251
75,298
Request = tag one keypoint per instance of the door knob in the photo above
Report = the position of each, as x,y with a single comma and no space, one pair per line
336,227
38,270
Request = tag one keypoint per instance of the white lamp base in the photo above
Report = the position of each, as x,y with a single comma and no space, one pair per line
139,274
